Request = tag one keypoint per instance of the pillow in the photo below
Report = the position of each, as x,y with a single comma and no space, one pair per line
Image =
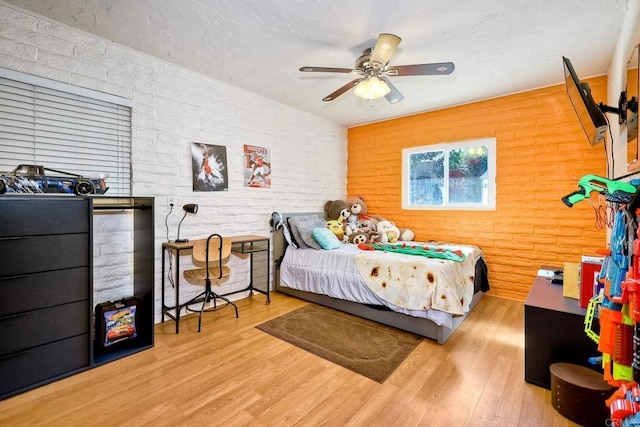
293,222
305,228
326,238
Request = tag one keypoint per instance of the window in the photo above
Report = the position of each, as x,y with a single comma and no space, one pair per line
64,127
458,175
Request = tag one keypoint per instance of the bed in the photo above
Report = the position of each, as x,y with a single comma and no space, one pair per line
350,279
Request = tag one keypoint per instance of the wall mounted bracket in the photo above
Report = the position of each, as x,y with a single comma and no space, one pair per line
623,106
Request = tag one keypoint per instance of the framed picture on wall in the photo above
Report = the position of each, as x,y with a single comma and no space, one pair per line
257,167
209,166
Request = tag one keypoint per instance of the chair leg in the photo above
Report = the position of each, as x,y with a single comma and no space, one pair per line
194,299
227,300
213,296
206,297
204,302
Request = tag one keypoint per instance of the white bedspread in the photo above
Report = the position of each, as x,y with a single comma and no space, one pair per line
335,273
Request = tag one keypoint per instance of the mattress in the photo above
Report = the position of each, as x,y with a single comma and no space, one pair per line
335,273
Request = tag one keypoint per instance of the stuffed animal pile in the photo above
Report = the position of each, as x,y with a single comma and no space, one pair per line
350,222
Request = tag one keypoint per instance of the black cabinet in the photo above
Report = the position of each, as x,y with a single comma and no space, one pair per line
140,209
46,286
553,332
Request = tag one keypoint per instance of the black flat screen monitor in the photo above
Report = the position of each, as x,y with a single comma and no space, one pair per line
591,118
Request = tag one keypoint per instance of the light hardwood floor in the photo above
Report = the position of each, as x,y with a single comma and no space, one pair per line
233,374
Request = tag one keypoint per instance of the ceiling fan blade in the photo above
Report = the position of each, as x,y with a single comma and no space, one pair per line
438,68
385,47
342,90
394,96
326,70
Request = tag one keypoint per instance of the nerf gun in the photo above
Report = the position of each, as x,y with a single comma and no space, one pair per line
614,191
624,405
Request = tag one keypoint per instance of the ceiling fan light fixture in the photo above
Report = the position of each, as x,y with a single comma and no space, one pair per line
372,88
373,70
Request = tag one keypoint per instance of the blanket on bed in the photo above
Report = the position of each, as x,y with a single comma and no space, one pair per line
418,250
419,283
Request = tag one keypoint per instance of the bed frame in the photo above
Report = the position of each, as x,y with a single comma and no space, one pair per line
419,326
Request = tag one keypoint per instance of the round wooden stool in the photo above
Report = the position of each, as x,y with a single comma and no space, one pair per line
579,394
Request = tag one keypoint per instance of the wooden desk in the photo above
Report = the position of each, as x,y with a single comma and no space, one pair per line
553,332
245,244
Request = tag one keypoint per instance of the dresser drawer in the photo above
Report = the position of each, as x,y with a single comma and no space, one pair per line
33,328
32,216
23,255
32,367
40,290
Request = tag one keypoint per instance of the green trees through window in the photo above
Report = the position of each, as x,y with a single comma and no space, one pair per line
455,175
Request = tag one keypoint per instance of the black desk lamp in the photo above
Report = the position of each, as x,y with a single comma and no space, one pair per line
190,208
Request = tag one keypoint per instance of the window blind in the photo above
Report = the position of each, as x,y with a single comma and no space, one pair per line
64,127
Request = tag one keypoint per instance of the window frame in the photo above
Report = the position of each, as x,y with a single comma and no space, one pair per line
490,143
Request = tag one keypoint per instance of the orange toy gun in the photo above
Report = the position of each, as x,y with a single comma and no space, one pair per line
625,403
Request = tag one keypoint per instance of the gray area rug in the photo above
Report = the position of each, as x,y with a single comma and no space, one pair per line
363,346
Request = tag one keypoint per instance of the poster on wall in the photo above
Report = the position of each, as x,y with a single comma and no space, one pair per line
209,164
257,167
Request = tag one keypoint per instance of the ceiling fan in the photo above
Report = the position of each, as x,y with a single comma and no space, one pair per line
373,68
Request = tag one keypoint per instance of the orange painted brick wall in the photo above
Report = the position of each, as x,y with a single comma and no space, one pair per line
541,153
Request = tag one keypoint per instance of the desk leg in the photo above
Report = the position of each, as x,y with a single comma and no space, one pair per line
251,286
164,250
176,285
251,272
268,269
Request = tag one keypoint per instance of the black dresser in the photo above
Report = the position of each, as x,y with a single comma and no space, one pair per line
45,287
553,332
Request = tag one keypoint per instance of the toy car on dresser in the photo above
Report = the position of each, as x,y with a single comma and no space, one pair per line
35,179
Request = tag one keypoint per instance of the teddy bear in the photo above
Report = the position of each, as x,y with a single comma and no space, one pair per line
351,224
333,208
375,237
359,219
389,233
358,237
406,235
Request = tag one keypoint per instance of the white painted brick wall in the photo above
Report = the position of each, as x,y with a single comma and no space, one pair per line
173,107
112,257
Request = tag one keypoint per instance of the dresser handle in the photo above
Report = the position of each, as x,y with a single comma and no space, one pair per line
22,276
13,316
12,355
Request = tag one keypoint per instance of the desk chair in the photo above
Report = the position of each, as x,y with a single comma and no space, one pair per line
210,255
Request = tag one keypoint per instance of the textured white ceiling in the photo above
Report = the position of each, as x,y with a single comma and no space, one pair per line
499,47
